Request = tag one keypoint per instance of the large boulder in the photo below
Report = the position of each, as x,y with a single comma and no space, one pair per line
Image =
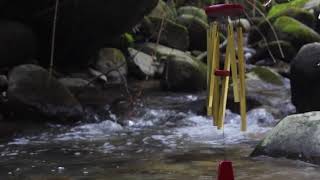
305,74
112,63
34,93
272,49
169,33
197,29
142,64
184,74
276,9
82,26
163,10
293,31
295,137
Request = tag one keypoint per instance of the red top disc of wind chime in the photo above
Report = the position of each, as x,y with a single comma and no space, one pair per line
217,10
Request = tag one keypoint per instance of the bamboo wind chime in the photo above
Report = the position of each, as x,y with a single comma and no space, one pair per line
218,79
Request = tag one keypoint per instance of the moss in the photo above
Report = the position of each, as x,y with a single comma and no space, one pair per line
173,35
295,32
194,11
267,75
127,40
277,9
299,14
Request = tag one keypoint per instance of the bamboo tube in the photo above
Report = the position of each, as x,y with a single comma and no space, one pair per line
212,56
234,73
243,108
216,90
209,61
225,81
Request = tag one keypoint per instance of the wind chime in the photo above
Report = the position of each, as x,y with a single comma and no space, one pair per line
218,77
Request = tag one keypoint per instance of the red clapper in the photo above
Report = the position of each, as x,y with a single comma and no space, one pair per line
225,171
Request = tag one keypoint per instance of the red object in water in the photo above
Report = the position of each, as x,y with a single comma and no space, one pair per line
224,10
219,72
225,171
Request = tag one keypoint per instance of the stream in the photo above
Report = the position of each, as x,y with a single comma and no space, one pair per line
161,141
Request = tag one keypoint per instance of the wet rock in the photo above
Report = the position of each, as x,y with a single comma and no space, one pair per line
193,11
305,4
265,74
163,10
264,50
112,63
172,34
244,23
295,137
265,87
184,74
160,51
302,15
299,14
305,73
75,84
17,43
197,29
32,92
142,64
293,31
3,83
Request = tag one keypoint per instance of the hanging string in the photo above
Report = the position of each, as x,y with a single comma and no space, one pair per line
53,38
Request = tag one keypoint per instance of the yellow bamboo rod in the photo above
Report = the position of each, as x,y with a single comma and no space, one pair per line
243,108
225,81
216,90
234,74
214,45
209,62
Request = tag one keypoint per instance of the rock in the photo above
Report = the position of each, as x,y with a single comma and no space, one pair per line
295,137
75,84
194,11
197,29
265,74
293,31
172,34
316,14
83,26
305,73
142,64
302,15
32,92
112,63
183,73
3,83
160,51
267,88
263,51
242,22
17,43
163,10
277,9
264,27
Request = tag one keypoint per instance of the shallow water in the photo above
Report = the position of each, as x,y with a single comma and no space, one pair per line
157,143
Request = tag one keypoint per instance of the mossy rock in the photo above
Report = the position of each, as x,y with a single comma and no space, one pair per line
302,15
293,31
279,8
163,10
294,137
194,11
266,74
173,34
263,51
197,29
184,74
263,26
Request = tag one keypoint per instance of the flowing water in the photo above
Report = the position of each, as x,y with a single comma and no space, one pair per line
159,142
